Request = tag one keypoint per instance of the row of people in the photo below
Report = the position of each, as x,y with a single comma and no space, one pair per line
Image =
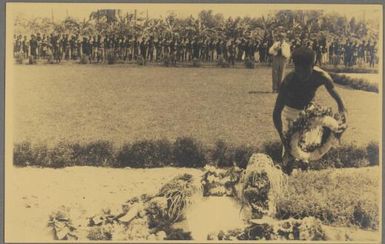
152,49
98,48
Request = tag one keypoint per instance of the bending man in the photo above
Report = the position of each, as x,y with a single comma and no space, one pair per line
297,91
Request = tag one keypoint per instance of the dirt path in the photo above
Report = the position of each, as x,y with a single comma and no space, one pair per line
33,194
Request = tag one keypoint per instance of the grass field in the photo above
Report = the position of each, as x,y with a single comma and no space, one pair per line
123,103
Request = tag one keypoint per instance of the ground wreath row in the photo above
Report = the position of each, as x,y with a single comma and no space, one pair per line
154,217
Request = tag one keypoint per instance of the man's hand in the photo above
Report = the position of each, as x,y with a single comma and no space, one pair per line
343,124
284,142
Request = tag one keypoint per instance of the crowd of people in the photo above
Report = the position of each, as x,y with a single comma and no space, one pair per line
97,49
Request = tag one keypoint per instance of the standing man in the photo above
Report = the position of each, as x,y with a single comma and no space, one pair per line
150,46
373,54
142,47
25,47
280,51
231,50
33,46
361,53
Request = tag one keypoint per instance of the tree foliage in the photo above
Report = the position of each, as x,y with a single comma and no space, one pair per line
299,24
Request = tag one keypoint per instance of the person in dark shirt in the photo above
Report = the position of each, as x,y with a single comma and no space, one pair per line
63,45
355,53
173,50
43,47
25,47
183,46
112,43
241,49
18,44
106,44
33,46
38,40
178,50
73,51
211,49
224,49
367,51
188,50
126,48
79,46
122,48
297,91
165,48
251,49
247,49
270,43
99,49
94,48
347,53
56,45
218,47
157,47
195,49
262,52
135,47
143,48
338,51
204,50
231,50
331,53
87,48
361,53
373,54
319,54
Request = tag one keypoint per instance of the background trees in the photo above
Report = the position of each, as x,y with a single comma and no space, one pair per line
296,23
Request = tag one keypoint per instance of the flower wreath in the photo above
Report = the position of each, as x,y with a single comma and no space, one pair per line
313,117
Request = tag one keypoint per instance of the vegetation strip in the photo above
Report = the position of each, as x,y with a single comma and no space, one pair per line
183,152
358,84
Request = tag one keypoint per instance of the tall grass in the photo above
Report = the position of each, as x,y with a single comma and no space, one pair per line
183,152
355,83
226,155
335,197
145,153
361,70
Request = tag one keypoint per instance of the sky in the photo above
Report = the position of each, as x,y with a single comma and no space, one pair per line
82,10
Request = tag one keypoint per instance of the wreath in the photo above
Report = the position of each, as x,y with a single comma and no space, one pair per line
313,133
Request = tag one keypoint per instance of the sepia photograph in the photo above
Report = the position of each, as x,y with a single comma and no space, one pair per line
201,123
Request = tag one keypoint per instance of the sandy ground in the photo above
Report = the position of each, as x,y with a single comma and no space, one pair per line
33,194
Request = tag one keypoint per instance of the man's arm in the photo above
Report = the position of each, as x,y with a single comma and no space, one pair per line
329,84
340,103
273,49
279,105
